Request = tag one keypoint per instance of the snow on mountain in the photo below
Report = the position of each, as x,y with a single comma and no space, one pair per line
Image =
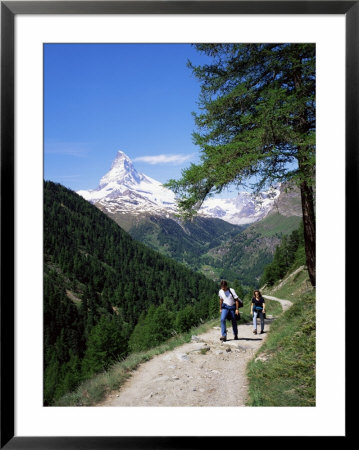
124,190
244,209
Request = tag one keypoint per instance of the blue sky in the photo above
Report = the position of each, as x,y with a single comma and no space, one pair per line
101,98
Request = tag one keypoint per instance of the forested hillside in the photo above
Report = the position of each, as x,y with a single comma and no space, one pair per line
186,242
98,283
244,256
288,256
216,248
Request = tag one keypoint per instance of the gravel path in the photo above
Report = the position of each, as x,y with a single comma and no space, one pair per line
204,372
285,303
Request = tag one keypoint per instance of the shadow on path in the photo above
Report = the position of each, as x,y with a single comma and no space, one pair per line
250,339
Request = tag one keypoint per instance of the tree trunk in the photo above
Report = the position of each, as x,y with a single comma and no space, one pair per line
306,190
309,228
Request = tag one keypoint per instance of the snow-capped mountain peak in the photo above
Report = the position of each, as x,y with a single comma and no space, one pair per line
122,172
243,209
125,190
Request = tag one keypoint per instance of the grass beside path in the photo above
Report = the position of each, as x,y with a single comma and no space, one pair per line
283,371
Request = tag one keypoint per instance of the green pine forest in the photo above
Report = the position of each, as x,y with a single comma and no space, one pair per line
288,256
187,242
105,294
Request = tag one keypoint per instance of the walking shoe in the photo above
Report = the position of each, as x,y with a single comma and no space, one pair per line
254,331
262,332
236,338
223,338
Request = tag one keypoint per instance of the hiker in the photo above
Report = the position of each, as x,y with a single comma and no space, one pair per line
228,307
258,308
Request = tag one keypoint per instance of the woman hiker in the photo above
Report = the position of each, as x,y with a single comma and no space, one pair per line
228,307
258,308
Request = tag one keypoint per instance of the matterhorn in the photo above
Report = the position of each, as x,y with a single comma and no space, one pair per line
124,190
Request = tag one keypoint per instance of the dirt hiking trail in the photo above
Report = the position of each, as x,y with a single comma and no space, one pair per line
203,372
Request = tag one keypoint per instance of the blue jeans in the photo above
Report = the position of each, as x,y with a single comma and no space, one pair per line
260,315
228,311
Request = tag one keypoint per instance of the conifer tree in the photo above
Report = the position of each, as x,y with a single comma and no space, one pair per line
106,343
239,289
256,125
185,319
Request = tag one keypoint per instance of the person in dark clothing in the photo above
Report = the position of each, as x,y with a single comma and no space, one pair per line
258,309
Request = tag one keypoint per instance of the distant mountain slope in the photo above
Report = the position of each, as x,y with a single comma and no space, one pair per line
77,235
222,251
187,241
245,255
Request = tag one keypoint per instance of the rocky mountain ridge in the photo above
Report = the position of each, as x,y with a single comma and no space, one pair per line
123,191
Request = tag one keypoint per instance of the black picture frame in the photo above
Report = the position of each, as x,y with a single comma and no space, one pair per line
9,9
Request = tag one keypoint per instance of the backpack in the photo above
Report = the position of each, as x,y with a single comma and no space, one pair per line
240,302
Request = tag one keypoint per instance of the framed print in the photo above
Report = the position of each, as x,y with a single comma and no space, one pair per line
28,30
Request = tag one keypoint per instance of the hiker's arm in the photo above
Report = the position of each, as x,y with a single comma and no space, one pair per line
237,305
220,304
264,306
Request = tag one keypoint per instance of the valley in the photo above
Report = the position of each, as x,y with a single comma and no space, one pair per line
229,238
